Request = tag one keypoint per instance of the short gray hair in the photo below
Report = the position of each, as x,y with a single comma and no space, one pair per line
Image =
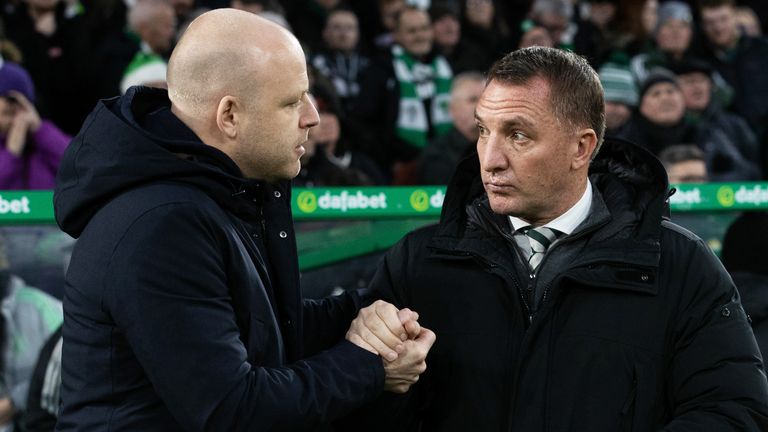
575,92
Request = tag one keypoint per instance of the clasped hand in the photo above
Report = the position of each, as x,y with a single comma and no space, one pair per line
398,338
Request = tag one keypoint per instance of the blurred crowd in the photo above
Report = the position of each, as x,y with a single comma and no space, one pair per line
395,81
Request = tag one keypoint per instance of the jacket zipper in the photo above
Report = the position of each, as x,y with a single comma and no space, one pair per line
516,366
567,239
628,410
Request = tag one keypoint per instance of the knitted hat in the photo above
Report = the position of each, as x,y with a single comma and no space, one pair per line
673,10
656,76
14,77
438,11
144,68
691,66
746,243
618,84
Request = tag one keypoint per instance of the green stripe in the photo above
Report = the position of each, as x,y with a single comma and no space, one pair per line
52,316
539,237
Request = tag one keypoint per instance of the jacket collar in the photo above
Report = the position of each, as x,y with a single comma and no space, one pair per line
622,232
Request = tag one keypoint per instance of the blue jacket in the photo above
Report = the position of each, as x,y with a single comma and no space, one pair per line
182,307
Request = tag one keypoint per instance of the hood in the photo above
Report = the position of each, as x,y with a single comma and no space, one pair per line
114,152
632,182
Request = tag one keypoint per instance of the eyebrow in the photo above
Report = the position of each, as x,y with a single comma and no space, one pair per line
513,121
295,97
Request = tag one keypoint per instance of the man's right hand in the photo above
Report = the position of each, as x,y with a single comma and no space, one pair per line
402,373
382,329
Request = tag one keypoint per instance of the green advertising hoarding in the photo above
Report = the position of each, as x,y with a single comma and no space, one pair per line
26,207
367,202
720,196
31,207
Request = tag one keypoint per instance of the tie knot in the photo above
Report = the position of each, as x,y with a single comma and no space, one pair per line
541,237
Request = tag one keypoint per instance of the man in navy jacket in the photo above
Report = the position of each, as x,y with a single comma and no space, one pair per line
182,304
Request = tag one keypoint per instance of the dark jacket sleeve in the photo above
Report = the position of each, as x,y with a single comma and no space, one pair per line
716,379
326,321
390,411
175,310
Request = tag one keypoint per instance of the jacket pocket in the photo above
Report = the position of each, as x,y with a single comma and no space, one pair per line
630,403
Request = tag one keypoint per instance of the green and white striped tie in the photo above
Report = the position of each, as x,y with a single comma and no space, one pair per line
540,239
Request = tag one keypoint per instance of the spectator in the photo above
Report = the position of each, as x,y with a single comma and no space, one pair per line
113,47
555,16
443,154
55,45
27,318
8,50
740,59
760,8
659,122
30,147
745,247
388,13
673,38
535,35
309,19
461,54
328,161
182,9
620,96
684,164
483,28
404,98
704,110
339,59
748,22
154,22
594,37
635,23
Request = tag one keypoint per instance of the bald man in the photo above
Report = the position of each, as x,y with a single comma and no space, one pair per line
182,303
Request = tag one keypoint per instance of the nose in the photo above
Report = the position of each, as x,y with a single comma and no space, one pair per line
492,158
310,117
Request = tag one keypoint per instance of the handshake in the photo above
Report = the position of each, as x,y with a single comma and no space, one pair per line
398,338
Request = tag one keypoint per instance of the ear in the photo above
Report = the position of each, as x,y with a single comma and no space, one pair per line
228,116
585,148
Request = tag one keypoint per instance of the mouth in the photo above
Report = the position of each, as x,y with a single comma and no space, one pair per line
497,187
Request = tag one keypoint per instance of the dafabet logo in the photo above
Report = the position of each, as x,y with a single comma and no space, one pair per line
14,206
308,201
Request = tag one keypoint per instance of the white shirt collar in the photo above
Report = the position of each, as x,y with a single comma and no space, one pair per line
568,221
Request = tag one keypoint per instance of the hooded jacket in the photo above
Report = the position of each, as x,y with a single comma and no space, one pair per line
640,328
182,302
754,290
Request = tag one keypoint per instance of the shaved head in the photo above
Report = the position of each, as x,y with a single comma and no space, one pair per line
224,52
240,83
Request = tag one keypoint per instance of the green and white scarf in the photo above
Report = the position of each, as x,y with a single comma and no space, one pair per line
418,82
